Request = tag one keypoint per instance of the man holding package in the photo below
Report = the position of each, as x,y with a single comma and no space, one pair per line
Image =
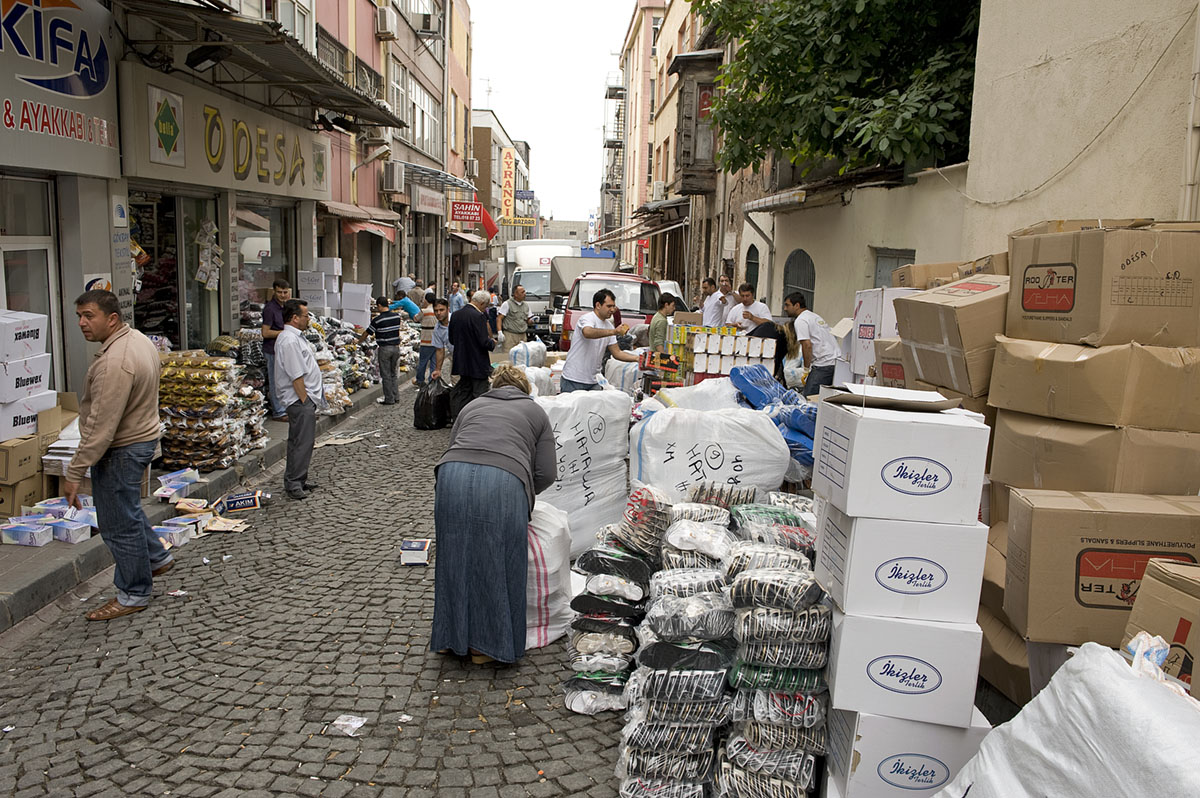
817,343
594,333
118,433
749,312
301,391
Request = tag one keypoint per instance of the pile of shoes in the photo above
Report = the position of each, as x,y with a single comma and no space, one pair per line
211,415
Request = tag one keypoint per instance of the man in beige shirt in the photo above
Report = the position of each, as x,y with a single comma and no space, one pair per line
118,431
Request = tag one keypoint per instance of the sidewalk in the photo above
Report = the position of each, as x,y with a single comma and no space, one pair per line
31,578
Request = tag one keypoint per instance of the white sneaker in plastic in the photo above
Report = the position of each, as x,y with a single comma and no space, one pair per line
609,585
601,643
589,702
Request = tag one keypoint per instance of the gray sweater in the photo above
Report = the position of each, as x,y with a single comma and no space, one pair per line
505,428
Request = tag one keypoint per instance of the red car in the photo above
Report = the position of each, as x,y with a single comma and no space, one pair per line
637,300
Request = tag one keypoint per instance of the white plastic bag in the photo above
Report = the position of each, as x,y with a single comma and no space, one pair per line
528,353
622,376
1098,728
715,393
591,502
548,612
539,378
674,449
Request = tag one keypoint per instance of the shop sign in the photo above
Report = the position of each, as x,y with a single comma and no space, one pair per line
425,200
58,92
519,221
524,194
508,182
466,212
180,132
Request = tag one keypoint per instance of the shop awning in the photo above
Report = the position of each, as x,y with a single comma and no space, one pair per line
666,228
382,214
784,200
345,210
470,238
273,57
381,230
434,178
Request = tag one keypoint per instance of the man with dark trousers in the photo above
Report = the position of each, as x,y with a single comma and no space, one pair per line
471,341
302,393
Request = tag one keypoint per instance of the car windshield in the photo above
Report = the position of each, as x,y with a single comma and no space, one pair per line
632,297
537,284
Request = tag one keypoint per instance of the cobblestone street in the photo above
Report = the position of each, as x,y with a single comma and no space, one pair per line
231,689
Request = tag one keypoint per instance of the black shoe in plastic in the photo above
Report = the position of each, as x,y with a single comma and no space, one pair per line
708,656
605,560
591,604
605,625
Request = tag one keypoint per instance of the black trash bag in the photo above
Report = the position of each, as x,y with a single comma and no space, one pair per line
431,410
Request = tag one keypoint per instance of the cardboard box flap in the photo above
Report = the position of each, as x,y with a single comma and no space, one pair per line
1082,502
1074,225
842,328
1181,576
881,398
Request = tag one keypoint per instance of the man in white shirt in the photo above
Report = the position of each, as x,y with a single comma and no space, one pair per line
594,333
301,392
817,343
749,312
713,303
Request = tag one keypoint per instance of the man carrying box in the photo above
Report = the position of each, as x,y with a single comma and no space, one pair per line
118,432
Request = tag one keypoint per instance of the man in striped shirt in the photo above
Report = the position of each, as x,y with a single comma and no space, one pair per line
386,327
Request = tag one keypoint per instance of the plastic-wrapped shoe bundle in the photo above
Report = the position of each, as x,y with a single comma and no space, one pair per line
716,713
790,501
772,737
615,562
706,538
780,588
707,655
801,710
660,788
684,738
785,654
608,606
210,416
650,764
703,513
722,494
592,693
703,616
613,585
743,514
792,536
684,582
735,781
602,636
746,555
678,558
600,662
795,766
699,686
769,624
646,517
762,677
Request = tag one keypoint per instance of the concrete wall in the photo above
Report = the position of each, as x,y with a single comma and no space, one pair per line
841,239
1044,91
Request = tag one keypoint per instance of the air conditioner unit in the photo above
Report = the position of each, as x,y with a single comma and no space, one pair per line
393,177
387,23
651,116
427,23
658,191
472,168
653,51
373,135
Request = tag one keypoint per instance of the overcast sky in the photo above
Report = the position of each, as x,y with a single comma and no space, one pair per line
548,62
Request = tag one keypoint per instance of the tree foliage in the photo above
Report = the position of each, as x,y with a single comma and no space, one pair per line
856,81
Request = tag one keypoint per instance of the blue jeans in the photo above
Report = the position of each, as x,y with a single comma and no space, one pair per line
566,386
817,376
136,550
426,363
272,390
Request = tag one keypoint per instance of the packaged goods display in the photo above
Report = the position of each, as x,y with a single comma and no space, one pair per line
211,416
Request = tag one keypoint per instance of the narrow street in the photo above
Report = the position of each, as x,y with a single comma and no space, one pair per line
232,689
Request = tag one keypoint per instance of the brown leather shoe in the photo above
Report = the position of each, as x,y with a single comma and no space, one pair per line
113,609
162,569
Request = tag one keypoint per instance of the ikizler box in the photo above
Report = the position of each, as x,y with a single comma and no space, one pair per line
883,462
901,569
874,756
916,670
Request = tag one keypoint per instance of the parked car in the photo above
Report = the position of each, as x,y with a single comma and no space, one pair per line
673,288
636,297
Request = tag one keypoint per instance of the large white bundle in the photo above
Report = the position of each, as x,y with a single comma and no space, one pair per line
539,378
715,393
592,440
529,353
1098,728
622,376
675,448
548,590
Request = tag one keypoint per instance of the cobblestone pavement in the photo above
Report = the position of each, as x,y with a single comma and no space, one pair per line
230,690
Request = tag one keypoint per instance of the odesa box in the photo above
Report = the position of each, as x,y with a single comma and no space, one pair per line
902,569
917,670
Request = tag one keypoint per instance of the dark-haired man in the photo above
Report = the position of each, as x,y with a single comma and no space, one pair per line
386,328
272,323
660,322
817,343
594,332
301,392
118,433
749,312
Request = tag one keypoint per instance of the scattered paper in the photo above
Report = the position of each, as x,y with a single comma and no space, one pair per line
205,560
178,593
9,728
226,557
383,446
405,718
348,724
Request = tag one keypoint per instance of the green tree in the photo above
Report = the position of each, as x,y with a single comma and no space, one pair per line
860,82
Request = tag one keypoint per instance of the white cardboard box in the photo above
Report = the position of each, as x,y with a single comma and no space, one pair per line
918,670
20,417
334,300
329,266
901,569
315,297
359,317
310,281
21,378
22,335
332,282
884,463
874,756
874,317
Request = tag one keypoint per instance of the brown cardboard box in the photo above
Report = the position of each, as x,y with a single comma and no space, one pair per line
1168,605
889,365
918,275
1034,452
976,404
53,421
950,331
998,536
991,595
988,264
684,317
1075,560
1152,387
52,485
19,459
1103,287
1073,225
24,493
1003,658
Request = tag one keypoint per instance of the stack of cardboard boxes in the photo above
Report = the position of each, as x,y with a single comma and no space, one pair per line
24,397
1096,461
901,554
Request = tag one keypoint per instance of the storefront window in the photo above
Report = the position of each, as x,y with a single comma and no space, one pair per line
265,237
24,207
152,226
202,270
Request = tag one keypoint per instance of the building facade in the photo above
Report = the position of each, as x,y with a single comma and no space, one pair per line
504,190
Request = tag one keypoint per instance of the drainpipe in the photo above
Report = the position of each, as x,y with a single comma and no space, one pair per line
1191,155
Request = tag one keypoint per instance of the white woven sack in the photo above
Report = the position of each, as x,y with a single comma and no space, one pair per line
548,612
528,353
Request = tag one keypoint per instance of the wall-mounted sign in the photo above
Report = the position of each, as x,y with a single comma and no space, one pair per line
508,182
58,88
466,212
519,221
524,194
177,131
426,200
